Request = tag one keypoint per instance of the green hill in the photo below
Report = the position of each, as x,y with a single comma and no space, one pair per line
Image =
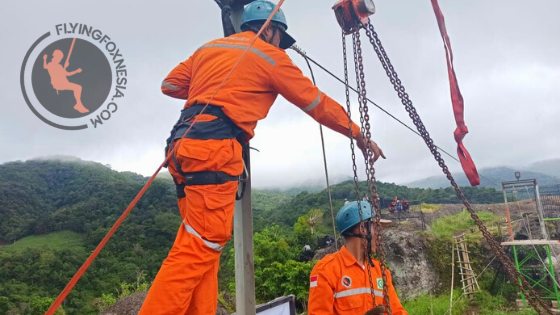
57,211
52,241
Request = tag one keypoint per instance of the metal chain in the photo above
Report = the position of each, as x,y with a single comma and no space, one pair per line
353,150
359,79
349,110
536,302
370,170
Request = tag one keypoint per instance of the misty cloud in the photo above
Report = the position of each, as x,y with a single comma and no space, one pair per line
506,58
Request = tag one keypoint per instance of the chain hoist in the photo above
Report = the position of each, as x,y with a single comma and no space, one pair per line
351,16
533,298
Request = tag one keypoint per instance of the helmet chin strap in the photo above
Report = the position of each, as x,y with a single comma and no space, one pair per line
357,235
368,237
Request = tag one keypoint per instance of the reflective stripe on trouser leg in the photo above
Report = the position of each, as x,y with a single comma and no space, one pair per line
189,266
215,246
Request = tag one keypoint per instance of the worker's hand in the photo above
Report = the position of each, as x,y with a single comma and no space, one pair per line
79,70
378,310
364,143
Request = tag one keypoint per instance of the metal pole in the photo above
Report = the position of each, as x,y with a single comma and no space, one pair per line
552,273
243,223
243,244
236,15
540,212
452,278
518,266
508,215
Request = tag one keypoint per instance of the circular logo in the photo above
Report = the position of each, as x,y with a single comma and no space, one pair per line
74,77
346,281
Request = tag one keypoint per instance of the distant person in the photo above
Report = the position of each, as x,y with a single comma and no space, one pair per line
339,283
406,205
399,206
306,254
59,79
393,205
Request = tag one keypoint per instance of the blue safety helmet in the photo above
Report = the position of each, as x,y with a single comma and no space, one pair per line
259,11
349,215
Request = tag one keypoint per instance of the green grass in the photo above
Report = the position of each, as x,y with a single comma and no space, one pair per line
448,226
55,240
485,303
428,207
436,305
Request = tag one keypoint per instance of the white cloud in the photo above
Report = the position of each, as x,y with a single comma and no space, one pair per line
505,56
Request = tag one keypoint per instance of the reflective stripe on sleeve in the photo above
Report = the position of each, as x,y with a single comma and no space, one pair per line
254,50
169,86
313,104
357,291
215,246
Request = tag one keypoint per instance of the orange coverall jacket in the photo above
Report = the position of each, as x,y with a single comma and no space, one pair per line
339,285
187,282
246,97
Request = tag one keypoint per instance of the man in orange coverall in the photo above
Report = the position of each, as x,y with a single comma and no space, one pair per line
207,162
339,282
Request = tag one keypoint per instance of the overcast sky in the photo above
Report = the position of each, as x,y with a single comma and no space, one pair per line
506,58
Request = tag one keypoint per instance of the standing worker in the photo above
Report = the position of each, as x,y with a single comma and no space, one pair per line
207,163
342,283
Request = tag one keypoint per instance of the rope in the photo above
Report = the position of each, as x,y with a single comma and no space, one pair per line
337,78
297,49
301,52
81,271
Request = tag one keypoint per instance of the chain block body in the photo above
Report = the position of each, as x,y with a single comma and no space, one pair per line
353,14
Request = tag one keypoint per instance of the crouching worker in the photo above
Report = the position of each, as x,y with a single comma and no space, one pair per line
342,283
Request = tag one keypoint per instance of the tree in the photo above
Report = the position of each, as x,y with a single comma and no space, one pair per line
314,217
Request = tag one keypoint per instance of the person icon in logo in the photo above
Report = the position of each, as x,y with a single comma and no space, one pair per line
59,78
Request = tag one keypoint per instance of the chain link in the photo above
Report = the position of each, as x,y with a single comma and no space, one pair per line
535,301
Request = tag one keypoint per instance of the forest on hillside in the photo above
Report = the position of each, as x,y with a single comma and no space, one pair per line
54,213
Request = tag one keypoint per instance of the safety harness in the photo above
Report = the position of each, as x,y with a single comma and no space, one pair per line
219,129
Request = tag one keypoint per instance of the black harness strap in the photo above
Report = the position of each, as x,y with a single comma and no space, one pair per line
220,128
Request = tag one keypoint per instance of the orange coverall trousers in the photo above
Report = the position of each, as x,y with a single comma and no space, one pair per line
187,282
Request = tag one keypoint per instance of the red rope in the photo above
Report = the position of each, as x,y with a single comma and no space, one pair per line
62,296
457,100
58,301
